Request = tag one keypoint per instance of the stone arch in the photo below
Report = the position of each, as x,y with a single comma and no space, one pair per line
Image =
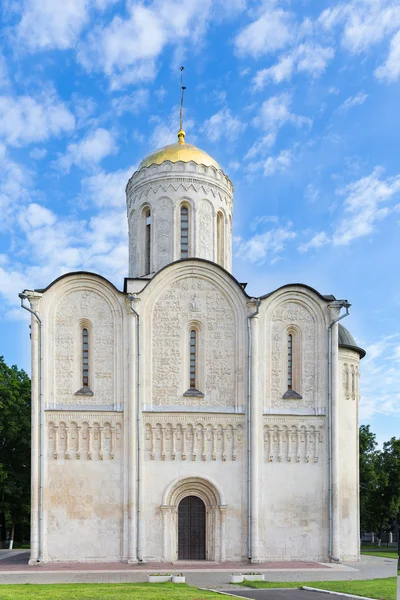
209,492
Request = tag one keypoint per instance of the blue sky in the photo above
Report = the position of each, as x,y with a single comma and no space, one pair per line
297,100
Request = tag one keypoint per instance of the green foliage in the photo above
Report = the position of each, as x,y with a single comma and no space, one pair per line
15,443
379,481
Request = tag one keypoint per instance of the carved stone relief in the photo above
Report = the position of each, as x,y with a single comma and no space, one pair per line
293,441
193,437
163,216
176,307
89,305
291,313
133,225
75,436
350,381
206,237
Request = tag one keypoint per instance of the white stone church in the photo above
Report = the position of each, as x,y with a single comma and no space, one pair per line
181,418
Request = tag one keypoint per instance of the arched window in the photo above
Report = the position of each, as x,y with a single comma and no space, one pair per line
184,232
85,357
290,362
220,239
193,359
147,250
293,363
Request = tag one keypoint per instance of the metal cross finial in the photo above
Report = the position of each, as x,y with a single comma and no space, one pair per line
183,88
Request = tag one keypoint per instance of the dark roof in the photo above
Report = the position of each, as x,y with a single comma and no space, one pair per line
346,340
42,290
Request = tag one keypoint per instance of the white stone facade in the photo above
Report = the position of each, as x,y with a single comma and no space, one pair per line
139,417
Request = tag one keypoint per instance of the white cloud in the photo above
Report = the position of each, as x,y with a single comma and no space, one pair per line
271,31
365,22
15,184
89,151
24,119
351,101
390,70
363,205
4,76
127,49
311,193
49,24
313,58
275,112
38,153
262,246
310,58
107,189
281,71
36,216
278,163
223,125
379,381
133,103
320,239
261,146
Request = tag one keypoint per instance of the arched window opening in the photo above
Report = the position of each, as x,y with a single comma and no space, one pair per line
220,239
290,362
293,364
192,357
184,232
85,357
147,254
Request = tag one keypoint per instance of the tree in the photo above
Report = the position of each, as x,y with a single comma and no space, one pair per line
369,478
15,443
379,482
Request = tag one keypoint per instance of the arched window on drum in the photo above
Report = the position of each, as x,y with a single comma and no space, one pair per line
184,230
147,242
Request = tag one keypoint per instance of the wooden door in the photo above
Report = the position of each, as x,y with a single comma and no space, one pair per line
191,529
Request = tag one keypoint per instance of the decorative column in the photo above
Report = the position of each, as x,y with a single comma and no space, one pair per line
35,441
222,515
335,442
131,436
256,418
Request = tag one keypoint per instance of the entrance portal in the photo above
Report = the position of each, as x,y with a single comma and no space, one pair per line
191,529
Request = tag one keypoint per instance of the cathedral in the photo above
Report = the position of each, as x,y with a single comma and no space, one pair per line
180,418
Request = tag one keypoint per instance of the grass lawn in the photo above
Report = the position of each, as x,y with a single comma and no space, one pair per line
381,589
381,554
105,591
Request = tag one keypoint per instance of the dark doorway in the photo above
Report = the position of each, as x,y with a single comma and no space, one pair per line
191,529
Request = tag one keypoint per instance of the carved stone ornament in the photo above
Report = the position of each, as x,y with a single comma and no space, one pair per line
172,314
193,437
80,436
293,441
285,315
90,306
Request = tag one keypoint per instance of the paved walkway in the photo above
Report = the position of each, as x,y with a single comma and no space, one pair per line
14,569
285,595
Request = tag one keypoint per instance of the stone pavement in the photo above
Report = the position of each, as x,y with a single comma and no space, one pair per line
14,569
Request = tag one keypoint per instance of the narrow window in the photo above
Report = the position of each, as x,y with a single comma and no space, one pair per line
220,239
85,358
192,368
184,232
290,362
147,256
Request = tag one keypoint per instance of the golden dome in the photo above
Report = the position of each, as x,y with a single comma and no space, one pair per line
180,151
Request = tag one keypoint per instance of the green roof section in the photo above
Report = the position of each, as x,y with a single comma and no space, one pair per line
346,340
